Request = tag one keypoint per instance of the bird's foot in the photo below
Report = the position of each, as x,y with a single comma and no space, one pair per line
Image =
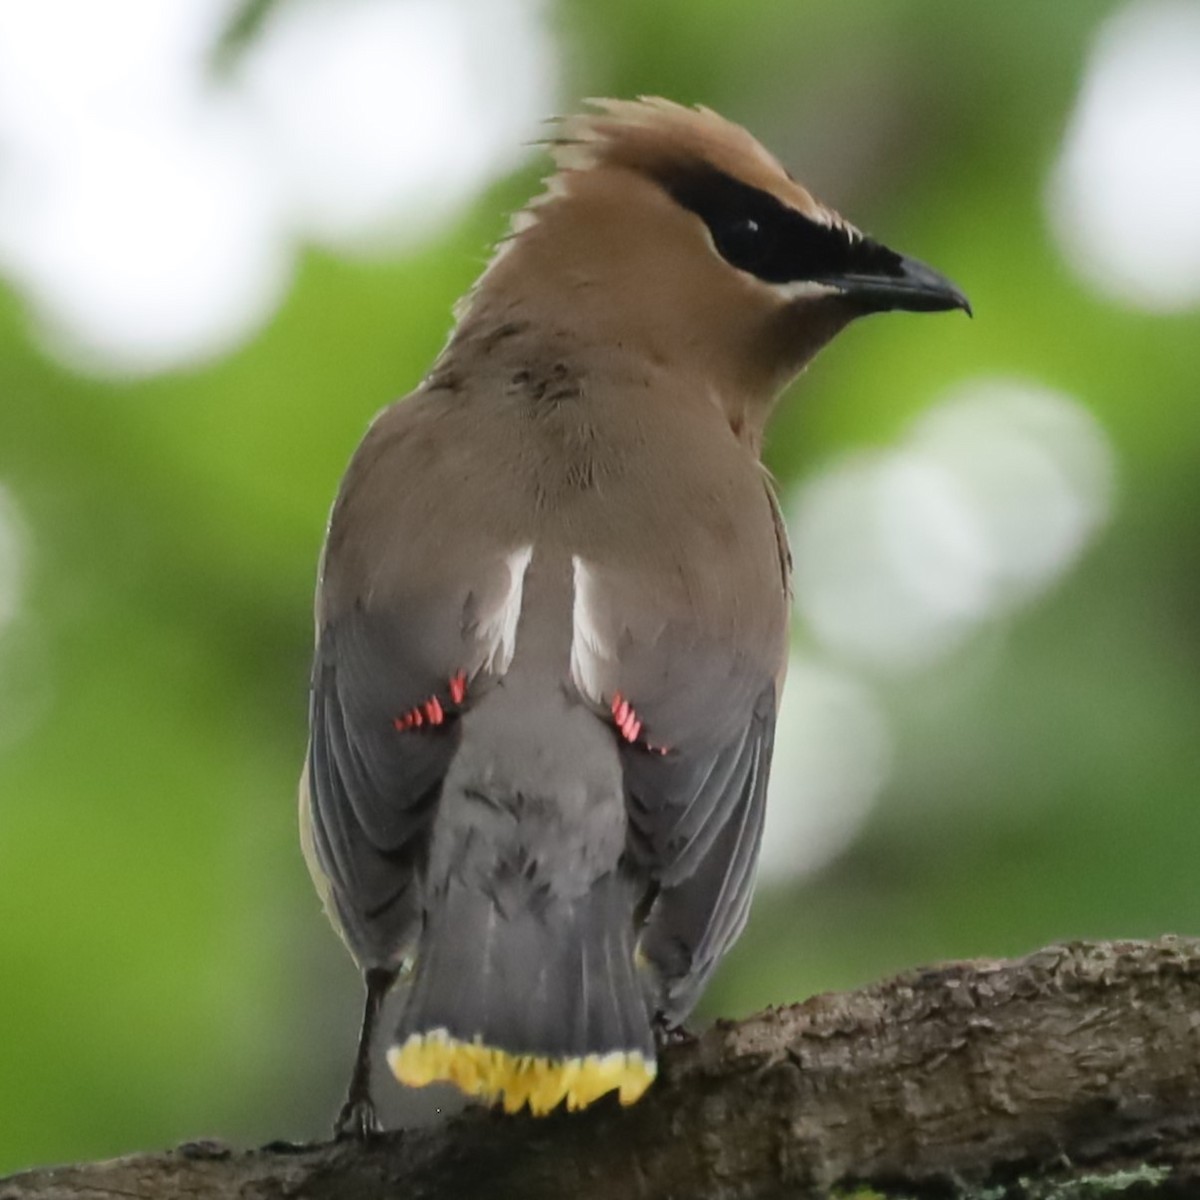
357,1121
671,1035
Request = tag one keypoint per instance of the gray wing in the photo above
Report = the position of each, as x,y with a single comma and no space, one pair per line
410,590
373,788
696,811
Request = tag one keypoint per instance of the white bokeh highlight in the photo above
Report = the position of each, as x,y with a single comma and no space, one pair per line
12,560
833,752
25,683
405,108
903,553
142,249
151,209
1124,197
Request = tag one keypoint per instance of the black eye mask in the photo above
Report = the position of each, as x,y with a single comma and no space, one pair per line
757,233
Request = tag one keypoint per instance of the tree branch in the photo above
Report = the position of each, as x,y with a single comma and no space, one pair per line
1074,1072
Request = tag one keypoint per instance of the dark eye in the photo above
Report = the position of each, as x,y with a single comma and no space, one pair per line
745,242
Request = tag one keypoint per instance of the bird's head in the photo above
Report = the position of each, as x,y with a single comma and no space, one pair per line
671,232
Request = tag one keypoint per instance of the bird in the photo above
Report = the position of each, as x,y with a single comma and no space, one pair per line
552,615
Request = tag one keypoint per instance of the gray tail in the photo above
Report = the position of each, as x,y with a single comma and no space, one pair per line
536,1003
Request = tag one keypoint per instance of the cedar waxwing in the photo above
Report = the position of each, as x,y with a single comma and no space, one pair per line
552,614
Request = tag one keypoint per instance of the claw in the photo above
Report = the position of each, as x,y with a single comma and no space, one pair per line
357,1122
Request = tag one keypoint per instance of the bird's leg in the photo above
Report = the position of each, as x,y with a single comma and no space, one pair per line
357,1118
670,1035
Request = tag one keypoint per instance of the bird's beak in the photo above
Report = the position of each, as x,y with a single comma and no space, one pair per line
904,283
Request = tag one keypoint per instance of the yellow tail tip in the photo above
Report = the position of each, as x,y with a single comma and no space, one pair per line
515,1080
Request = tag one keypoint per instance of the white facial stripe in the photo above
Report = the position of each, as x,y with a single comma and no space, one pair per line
498,629
804,289
589,651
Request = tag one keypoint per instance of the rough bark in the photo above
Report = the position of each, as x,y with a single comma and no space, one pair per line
1074,1072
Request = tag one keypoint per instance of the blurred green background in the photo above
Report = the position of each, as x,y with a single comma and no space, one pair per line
165,969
